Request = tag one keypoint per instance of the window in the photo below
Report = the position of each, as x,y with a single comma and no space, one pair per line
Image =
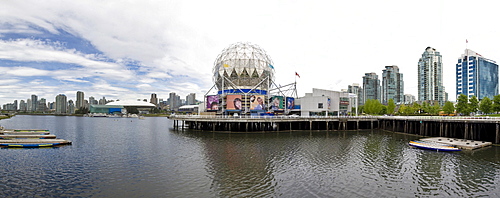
320,105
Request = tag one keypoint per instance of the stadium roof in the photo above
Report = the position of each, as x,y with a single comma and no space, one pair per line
132,103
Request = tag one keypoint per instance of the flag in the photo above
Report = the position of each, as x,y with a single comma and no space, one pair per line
226,65
297,74
466,41
271,66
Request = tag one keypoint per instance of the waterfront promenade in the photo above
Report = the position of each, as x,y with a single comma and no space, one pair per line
475,128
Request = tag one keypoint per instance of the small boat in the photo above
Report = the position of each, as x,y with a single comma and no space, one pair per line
29,145
433,146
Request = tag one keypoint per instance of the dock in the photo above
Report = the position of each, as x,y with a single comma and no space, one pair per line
29,138
459,143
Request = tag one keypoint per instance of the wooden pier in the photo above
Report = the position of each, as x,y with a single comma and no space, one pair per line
472,128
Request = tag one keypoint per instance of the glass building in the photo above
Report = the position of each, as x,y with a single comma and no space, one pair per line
371,87
476,76
430,77
392,85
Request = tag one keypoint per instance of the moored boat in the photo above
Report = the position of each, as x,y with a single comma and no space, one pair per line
433,146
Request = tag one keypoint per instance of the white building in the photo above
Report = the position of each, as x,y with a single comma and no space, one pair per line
323,102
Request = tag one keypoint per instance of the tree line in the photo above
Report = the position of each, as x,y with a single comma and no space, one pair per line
464,106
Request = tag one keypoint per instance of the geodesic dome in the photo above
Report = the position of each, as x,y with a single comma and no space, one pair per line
245,65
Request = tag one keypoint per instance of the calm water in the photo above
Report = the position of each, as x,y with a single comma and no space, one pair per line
128,157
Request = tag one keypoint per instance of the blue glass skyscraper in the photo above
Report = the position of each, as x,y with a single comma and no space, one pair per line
476,76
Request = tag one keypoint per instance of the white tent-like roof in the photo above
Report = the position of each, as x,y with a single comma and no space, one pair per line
132,103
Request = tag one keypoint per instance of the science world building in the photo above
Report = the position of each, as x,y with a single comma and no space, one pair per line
243,77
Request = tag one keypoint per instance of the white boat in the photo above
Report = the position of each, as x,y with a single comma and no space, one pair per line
433,146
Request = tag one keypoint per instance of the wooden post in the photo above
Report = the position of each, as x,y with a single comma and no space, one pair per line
497,139
466,130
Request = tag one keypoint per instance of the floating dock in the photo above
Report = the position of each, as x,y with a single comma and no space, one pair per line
459,143
29,138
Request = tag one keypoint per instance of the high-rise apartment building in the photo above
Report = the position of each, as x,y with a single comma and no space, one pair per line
409,99
61,104
356,89
476,76
154,99
174,101
23,106
191,99
80,100
392,85
430,77
34,102
371,87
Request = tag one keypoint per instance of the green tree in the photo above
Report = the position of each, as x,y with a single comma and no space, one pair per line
416,108
402,109
448,108
473,104
391,106
496,103
372,107
425,107
463,104
486,105
383,110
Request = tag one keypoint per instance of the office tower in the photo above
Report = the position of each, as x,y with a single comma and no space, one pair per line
476,76
191,99
356,89
80,100
430,77
15,105
392,85
371,87
61,104
34,102
154,99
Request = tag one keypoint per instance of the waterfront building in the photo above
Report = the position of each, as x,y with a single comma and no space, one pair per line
29,105
174,101
61,104
430,77
34,103
154,99
191,99
476,76
80,100
102,101
371,87
392,85
356,89
325,102
71,107
42,105
23,106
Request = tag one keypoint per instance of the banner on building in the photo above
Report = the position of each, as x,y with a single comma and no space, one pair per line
233,102
257,102
213,103
277,103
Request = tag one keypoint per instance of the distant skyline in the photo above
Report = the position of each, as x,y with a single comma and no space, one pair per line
128,50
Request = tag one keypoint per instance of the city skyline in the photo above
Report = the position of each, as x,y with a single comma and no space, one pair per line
128,50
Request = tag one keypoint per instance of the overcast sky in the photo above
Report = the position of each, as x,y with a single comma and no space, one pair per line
129,49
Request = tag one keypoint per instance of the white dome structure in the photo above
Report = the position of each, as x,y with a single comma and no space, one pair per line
245,66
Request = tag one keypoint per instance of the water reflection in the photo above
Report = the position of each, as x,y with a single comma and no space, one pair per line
146,158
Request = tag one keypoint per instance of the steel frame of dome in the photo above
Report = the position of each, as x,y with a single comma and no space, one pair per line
244,68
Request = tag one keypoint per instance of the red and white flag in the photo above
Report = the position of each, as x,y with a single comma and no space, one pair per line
297,74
